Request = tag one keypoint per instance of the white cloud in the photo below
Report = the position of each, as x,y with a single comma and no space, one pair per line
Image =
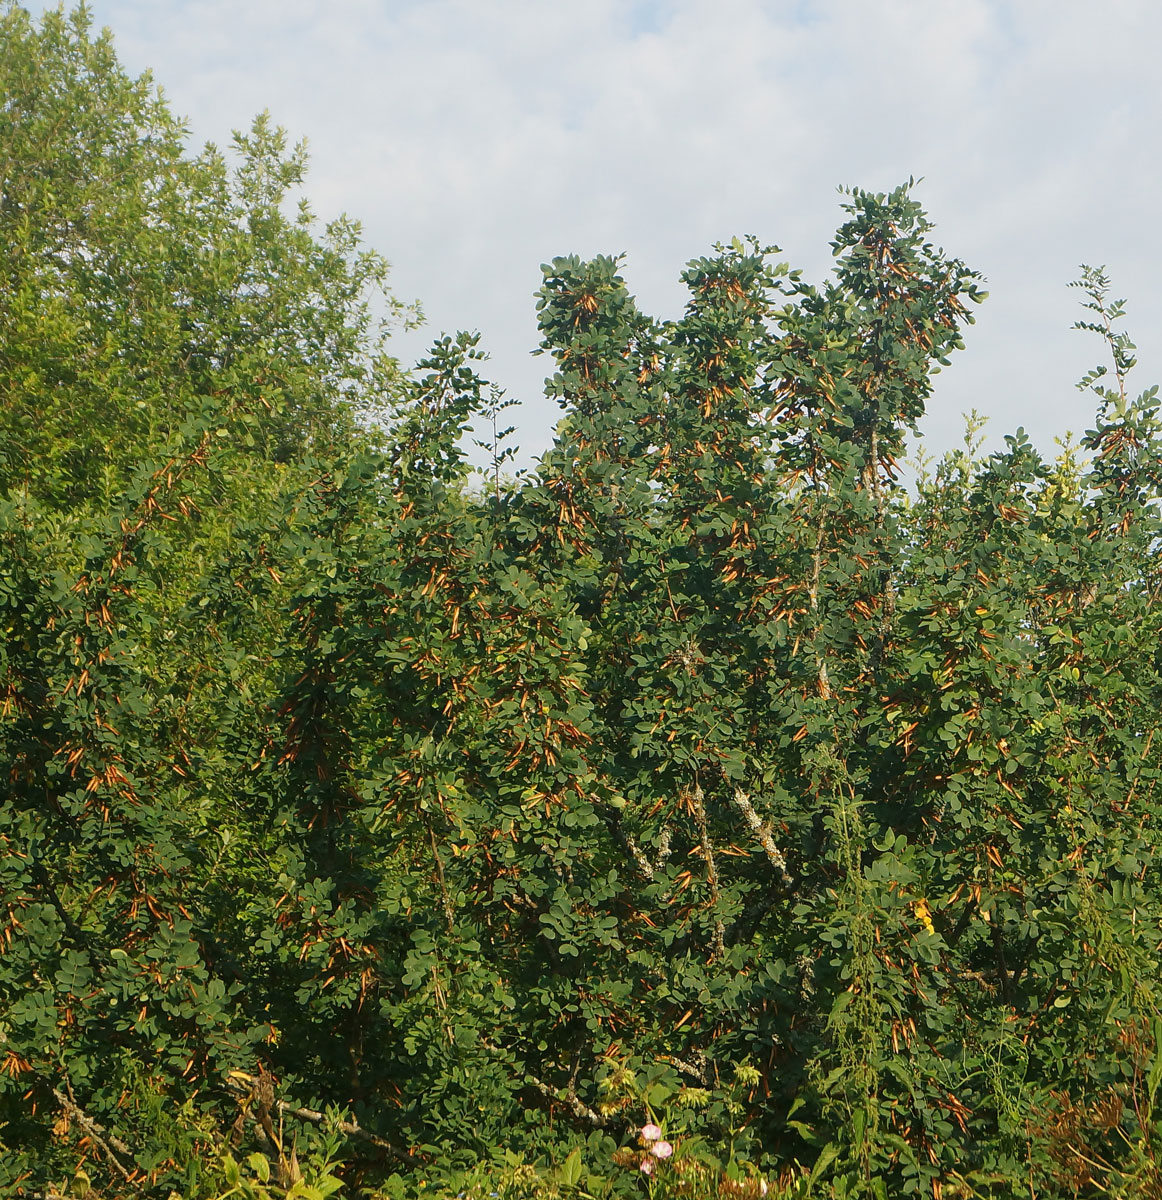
478,138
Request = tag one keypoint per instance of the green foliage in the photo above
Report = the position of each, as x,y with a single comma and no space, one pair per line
139,285
701,789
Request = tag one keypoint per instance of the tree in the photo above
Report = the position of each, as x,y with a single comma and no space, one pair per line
704,777
141,284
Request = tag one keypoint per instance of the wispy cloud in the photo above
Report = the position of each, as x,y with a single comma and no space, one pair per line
477,139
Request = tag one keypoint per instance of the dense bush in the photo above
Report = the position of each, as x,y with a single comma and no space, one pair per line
701,813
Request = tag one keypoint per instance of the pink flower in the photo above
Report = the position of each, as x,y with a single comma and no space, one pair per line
651,1133
647,1167
662,1150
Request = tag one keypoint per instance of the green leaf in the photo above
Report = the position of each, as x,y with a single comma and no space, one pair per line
571,1168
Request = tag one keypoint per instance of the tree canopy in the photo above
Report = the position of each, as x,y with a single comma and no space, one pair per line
703,813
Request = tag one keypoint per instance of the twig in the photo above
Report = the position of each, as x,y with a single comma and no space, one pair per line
813,601
1141,760
41,875
449,910
696,797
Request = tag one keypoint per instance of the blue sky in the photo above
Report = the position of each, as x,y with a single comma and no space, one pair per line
475,139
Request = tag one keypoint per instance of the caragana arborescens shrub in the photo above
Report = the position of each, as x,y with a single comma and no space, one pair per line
364,826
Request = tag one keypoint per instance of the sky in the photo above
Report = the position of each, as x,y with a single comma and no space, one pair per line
477,139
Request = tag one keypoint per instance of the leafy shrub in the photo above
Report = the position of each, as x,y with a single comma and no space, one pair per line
702,789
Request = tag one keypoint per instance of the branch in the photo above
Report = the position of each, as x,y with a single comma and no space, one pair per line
576,1105
699,1069
813,600
644,864
97,1133
646,867
711,869
567,1095
762,831
449,910
235,1082
664,846
41,875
